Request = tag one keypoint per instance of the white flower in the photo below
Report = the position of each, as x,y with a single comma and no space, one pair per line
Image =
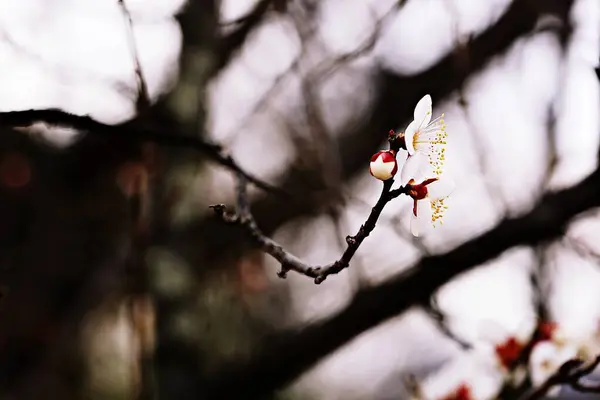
425,141
473,375
383,165
546,358
428,207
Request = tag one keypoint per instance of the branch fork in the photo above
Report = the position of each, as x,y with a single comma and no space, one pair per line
288,261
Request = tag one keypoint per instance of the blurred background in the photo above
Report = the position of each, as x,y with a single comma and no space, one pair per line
118,282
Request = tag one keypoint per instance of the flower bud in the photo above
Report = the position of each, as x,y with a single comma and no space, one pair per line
383,165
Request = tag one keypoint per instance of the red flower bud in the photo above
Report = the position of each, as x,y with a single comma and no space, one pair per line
383,165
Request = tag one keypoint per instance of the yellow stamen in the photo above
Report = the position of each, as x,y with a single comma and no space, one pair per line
437,211
436,150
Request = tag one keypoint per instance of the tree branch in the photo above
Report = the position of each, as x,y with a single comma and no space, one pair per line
129,131
228,45
570,373
288,261
143,98
285,356
393,106
281,360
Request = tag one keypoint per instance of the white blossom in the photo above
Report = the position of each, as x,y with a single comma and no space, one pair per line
474,375
428,207
546,358
425,141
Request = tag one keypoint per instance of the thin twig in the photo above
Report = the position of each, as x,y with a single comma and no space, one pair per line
395,223
228,45
582,249
288,261
283,358
570,373
143,97
324,70
437,315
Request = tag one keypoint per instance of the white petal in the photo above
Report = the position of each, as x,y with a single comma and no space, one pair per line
423,112
441,188
467,368
422,221
415,167
409,135
546,358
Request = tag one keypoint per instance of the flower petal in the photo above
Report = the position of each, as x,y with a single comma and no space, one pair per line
546,358
441,188
422,221
415,167
409,136
409,169
422,112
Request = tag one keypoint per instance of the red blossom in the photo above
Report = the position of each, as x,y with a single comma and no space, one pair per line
463,392
509,351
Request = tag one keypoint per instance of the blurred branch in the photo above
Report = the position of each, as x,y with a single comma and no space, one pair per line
437,315
228,45
320,73
324,70
570,373
582,249
536,279
143,98
264,101
58,70
284,357
288,261
135,182
325,147
491,184
394,105
131,132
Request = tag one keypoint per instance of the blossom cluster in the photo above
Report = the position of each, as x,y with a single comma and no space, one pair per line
423,171
481,372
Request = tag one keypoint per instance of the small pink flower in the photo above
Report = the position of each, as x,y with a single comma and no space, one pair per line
383,165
